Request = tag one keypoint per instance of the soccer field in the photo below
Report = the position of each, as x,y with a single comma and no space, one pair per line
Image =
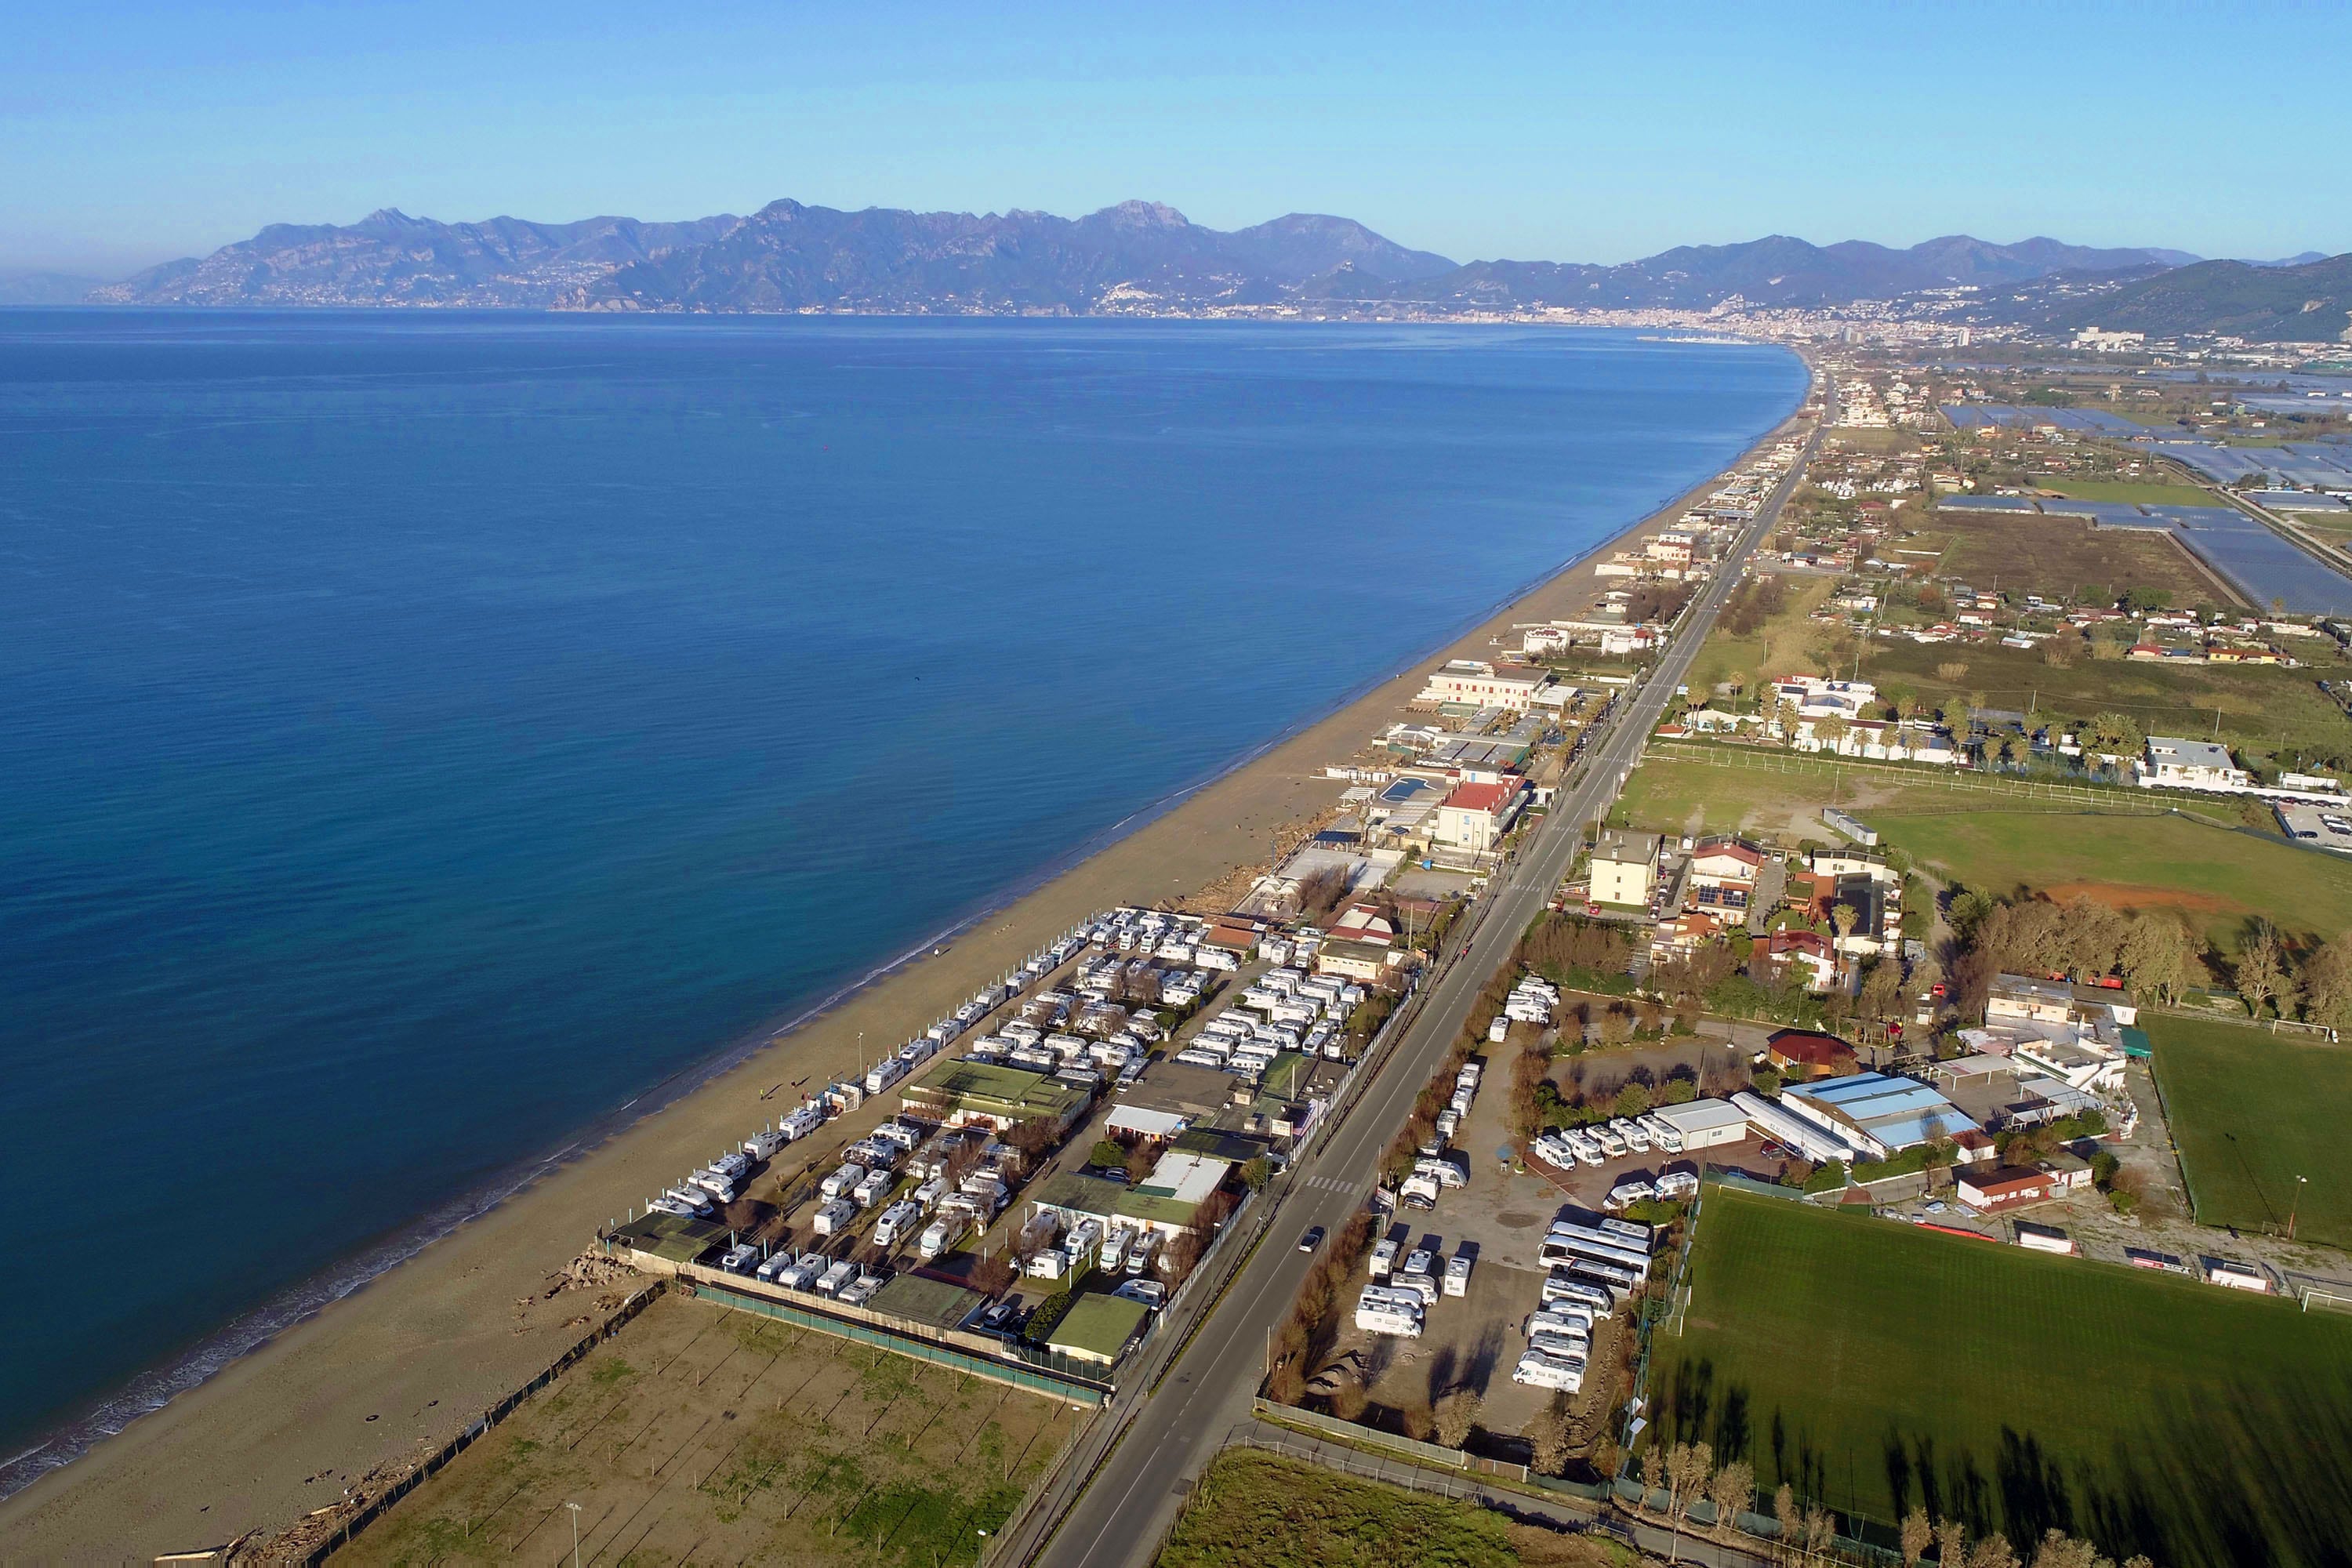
1875,1365
2252,1110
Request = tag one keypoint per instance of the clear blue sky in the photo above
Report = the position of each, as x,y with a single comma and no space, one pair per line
131,133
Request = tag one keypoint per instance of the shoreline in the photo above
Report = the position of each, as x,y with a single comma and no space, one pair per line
398,1347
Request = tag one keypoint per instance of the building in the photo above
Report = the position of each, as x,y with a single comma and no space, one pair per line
965,1093
1817,697
1990,1189
1704,1123
1684,932
2171,763
1476,681
2073,1034
1723,873
1624,868
1186,1177
1803,1054
1804,951
1879,1115
1099,1328
1475,816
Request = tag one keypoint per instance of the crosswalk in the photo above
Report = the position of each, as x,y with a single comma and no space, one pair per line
1355,1186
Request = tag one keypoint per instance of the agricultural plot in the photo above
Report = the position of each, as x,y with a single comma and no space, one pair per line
2217,878
1872,1366
723,1438
2058,557
1777,792
2251,1111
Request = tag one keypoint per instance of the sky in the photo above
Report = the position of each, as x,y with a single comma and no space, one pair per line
131,133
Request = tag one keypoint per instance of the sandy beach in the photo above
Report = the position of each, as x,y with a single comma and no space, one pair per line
400,1365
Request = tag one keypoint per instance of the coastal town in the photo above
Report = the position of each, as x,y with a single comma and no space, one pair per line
1822,877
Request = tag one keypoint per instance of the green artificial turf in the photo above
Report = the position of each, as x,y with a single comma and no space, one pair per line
1875,1365
2252,1110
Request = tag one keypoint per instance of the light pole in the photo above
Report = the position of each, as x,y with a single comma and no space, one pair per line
2294,1205
575,1532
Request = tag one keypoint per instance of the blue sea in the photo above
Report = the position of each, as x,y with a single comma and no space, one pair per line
427,735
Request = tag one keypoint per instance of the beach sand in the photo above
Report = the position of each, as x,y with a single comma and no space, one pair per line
402,1365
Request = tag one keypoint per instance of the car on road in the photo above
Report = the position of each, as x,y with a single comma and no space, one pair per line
1312,1239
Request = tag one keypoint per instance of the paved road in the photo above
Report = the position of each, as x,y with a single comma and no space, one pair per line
1122,1515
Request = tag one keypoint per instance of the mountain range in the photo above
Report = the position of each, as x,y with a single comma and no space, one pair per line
2309,301
1137,257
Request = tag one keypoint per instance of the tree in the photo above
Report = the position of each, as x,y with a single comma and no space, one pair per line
2060,1550
2261,975
1632,1100
2156,954
1992,1551
1821,1530
1688,1467
1256,1173
1653,1472
992,1276
2328,985
1917,1535
1844,917
1784,1515
1952,1543
2114,734
1731,1489
1457,1414
1551,1436
1882,992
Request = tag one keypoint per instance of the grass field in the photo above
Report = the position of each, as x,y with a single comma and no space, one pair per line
704,1433
2054,556
1873,1365
2252,1110
2259,705
1668,794
1257,1510
2152,492
1786,639
2216,878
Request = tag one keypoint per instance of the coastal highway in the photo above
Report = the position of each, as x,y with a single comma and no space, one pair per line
1124,1513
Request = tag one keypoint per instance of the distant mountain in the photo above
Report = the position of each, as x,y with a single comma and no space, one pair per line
44,287
2310,302
2301,258
391,259
1135,257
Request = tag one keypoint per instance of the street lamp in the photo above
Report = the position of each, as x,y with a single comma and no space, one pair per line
575,1532
2293,1206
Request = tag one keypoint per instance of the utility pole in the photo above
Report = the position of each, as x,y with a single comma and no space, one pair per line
2293,1206
575,1532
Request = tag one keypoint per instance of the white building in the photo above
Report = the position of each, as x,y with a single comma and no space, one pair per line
1489,685
2171,763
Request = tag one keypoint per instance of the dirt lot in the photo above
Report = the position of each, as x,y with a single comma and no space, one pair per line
704,1433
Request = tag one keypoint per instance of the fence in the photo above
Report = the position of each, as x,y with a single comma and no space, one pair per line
1018,1370
480,1428
2119,797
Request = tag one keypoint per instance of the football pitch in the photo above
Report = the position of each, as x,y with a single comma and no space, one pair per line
2252,1110
1873,1365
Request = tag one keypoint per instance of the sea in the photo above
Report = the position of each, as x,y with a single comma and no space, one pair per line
428,739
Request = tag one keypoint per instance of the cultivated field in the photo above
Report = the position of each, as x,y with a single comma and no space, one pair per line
1256,1510
2024,553
1781,646
2252,1110
2216,877
705,1433
1873,1365
2150,492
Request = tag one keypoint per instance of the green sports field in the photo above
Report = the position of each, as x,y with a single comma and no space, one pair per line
1875,1365
2252,1110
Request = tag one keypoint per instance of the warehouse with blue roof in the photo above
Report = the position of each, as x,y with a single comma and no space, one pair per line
1878,1114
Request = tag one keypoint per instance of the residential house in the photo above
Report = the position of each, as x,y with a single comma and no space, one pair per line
1624,868
1805,954
1723,873
1804,1054
1475,680
2171,763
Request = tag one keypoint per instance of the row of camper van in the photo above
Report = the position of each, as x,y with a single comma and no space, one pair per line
723,1180
1580,1291
1560,1342
1433,1171
813,1272
1398,1299
1534,1000
1117,1249
1606,1140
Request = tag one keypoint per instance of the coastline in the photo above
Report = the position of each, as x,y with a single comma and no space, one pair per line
442,1319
